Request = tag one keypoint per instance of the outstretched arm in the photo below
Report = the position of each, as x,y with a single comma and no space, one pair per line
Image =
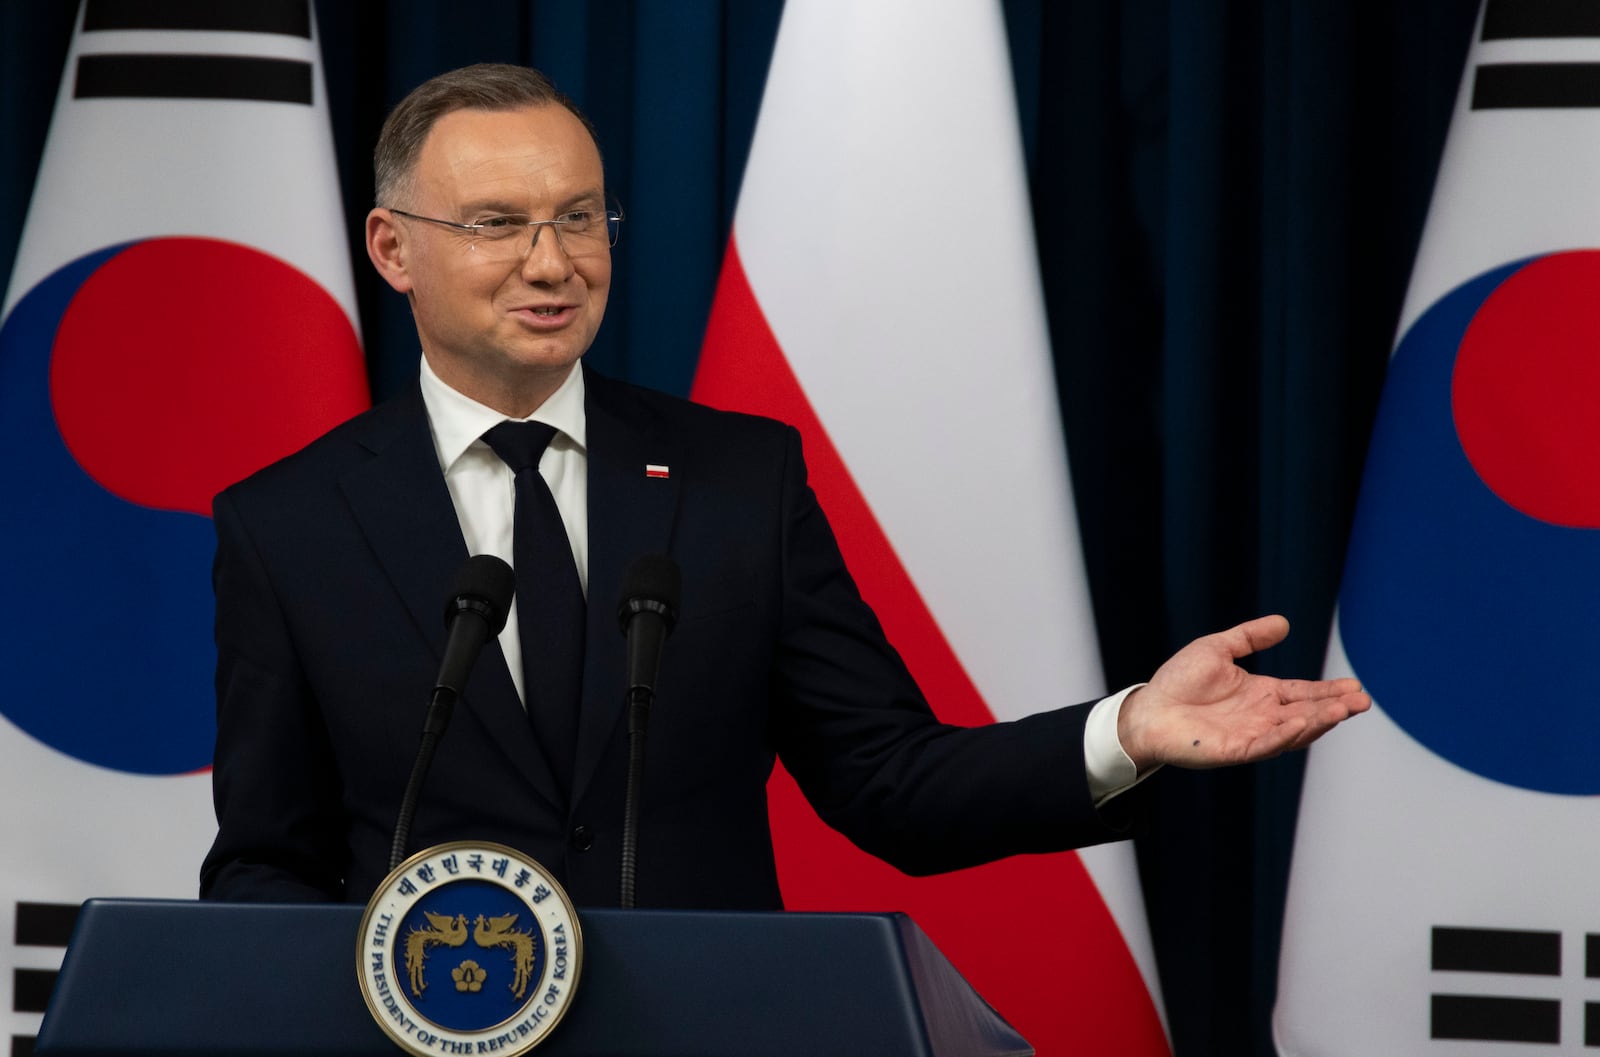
1202,710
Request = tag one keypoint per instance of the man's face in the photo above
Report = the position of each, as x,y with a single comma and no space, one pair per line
504,332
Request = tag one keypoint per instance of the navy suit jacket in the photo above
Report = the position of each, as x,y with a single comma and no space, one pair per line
332,572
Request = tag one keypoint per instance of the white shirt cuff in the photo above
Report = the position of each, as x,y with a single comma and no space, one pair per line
1110,770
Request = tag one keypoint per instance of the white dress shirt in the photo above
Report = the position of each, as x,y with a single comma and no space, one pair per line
484,489
484,492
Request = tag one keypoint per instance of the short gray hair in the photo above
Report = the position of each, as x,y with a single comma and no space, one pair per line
486,86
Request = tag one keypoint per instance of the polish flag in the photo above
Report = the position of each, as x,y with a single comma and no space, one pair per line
1442,898
881,293
180,313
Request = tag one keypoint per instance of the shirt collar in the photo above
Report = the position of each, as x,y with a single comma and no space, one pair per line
457,420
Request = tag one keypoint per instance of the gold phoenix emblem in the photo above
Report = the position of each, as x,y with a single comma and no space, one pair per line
411,915
497,932
442,930
488,933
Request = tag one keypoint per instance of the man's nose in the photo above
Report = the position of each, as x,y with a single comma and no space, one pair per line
546,259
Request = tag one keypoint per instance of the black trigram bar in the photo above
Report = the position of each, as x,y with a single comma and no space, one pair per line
1512,19
30,989
1487,1018
1496,951
1536,85
288,17
193,77
1591,1023
1591,956
45,924
37,925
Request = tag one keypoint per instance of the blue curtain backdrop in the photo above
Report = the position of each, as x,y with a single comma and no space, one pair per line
1227,196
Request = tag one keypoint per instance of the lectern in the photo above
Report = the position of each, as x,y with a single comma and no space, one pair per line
188,979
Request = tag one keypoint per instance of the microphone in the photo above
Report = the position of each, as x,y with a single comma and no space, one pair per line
647,614
648,611
476,612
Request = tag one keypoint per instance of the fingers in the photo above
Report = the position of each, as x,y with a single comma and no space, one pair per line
1322,715
1311,689
1253,636
1292,734
1337,707
1299,723
1355,702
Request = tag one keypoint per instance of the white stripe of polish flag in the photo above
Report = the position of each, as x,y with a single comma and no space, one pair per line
881,293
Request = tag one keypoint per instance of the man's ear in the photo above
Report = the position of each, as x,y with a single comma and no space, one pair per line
388,249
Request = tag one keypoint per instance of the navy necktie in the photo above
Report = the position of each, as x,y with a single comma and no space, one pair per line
550,605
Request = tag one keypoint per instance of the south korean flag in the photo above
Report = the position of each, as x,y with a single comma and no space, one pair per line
1443,897
180,313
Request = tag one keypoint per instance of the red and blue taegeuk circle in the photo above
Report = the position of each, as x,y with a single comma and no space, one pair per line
135,383
1471,599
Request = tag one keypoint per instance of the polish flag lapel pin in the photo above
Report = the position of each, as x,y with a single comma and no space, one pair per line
652,469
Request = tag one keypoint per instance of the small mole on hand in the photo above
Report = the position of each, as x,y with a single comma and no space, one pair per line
1197,743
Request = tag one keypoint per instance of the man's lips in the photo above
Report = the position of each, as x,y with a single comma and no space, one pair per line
545,316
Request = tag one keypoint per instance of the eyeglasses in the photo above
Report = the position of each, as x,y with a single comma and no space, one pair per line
512,236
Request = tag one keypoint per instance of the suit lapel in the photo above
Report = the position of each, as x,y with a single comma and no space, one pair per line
631,514
400,501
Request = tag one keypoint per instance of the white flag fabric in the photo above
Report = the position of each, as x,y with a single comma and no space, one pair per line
1442,897
180,313
881,293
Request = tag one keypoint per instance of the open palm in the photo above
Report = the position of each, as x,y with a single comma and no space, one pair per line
1201,709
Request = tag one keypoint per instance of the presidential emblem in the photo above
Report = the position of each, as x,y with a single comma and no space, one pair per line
469,948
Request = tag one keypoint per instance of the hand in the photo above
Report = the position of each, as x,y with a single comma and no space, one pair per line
1201,709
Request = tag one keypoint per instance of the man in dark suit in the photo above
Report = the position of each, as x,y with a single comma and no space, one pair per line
333,565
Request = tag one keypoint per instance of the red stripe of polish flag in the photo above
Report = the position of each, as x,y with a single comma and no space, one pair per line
881,294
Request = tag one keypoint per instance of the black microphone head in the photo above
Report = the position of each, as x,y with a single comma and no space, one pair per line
653,583
486,585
